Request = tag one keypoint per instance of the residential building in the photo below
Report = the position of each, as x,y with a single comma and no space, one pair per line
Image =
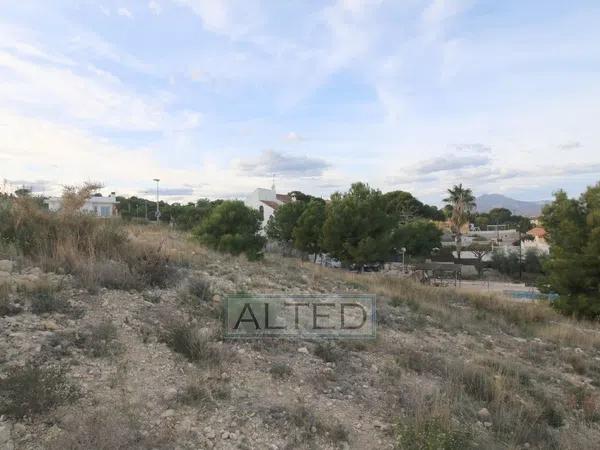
97,205
266,201
538,242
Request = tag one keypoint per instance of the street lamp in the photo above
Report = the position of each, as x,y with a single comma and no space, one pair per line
157,210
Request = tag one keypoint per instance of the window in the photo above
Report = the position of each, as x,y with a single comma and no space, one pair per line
105,211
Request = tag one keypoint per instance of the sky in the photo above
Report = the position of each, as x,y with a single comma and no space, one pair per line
217,98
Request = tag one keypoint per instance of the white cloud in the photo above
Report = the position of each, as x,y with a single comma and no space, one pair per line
271,163
124,12
294,137
155,7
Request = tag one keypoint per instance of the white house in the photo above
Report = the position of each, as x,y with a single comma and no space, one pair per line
96,205
266,201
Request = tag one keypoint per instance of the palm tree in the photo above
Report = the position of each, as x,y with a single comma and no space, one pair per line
462,202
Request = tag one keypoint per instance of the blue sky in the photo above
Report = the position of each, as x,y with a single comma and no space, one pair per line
216,97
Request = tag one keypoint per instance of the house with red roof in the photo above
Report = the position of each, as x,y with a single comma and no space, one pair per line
537,241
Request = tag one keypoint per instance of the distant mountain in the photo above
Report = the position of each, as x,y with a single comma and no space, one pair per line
519,207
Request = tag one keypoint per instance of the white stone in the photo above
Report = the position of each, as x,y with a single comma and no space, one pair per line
6,265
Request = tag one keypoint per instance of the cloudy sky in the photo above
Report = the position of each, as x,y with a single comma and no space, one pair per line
215,97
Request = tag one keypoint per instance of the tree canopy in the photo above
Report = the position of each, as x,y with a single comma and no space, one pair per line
357,229
573,267
234,228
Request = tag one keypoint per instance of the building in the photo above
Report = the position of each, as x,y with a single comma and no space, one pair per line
266,201
539,242
97,205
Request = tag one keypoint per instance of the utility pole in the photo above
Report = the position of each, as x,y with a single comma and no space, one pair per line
157,209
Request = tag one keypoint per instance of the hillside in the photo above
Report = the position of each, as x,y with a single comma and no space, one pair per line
117,365
518,207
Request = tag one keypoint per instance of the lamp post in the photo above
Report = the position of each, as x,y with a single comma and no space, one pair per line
157,209
403,250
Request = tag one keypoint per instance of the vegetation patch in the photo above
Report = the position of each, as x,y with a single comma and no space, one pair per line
188,340
33,389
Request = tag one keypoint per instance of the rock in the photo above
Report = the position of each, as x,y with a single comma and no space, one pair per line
4,434
6,442
19,428
168,413
487,424
382,426
484,415
303,350
374,368
313,429
209,433
170,394
6,265
225,435
49,325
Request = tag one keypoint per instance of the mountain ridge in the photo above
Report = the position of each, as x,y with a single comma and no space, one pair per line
487,202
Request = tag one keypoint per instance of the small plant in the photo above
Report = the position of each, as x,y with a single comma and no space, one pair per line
327,351
204,394
7,308
196,291
280,370
44,302
152,266
431,433
100,340
187,339
33,390
152,297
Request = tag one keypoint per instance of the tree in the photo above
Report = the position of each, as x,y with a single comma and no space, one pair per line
499,216
234,228
405,208
308,232
479,250
573,267
419,238
357,229
461,202
280,226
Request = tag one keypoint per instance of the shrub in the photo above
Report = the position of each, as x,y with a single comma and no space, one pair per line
280,370
151,266
7,308
327,351
115,428
188,340
431,433
33,389
47,302
115,275
101,340
196,290
204,394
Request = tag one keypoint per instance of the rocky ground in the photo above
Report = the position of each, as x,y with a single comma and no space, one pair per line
434,370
